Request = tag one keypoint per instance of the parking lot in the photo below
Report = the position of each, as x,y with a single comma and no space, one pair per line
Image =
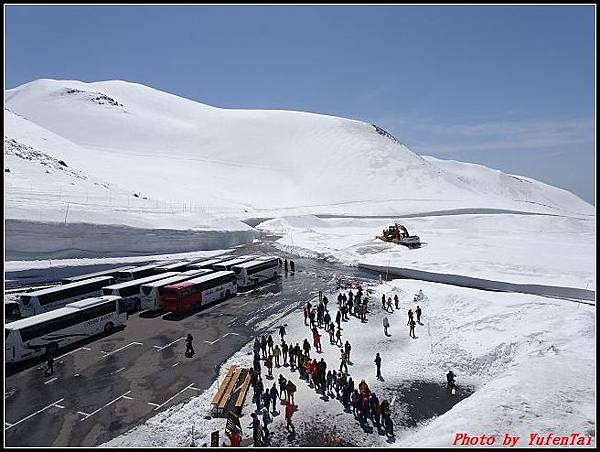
104,387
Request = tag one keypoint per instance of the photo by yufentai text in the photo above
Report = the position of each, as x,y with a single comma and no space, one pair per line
534,439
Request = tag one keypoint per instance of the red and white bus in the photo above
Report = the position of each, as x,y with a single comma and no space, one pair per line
198,292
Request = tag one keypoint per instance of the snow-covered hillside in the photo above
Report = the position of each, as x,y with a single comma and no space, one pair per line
173,148
123,154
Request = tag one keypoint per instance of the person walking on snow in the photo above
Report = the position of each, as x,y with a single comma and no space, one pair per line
378,364
50,364
410,316
305,315
396,301
338,336
285,265
306,347
276,354
289,411
292,266
383,301
412,324
284,350
386,325
270,344
347,348
418,312
274,393
282,387
343,361
282,332
389,305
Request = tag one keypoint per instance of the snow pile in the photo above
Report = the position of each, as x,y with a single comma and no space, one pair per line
524,249
532,371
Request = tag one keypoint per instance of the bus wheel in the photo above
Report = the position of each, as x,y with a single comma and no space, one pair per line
51,349
138,305
108,327
227,293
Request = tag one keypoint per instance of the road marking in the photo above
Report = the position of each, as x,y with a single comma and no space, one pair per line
242,305
168,345
119,349
217,340
119,370
73,351
127,397
153,404
171,398
34,414
175,365
195,389
8,424
102,407
59,406
50,381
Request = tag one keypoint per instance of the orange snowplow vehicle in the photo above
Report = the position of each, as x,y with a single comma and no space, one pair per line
398,234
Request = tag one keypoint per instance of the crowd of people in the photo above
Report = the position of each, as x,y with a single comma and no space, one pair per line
325,378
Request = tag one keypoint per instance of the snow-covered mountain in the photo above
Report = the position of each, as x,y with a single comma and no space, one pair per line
172,148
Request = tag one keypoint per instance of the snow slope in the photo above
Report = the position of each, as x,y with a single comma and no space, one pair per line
529,359
522,249
263,162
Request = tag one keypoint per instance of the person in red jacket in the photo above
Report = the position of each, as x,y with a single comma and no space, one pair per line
289,411
235,438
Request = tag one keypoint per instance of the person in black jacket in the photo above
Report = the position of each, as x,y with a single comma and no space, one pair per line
378,364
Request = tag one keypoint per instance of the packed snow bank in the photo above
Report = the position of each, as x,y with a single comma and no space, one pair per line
518,249
38,240
532,371
292,162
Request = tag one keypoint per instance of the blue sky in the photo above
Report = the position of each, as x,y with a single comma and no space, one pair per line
508,87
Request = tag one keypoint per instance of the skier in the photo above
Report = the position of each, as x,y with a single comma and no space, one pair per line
418,312
412,324
378,364
276,354
282,332
396,301
386,325
189,348
347,348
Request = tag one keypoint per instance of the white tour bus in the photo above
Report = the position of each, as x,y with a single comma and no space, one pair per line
226,265
112,272
174,267
139,272
208,263
48,332
129,291
12,311
54,297
256,271
150,292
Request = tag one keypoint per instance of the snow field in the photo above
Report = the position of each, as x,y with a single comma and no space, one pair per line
529,359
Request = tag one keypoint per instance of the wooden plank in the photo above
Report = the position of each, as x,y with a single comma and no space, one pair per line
243,392
219,395
229,389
